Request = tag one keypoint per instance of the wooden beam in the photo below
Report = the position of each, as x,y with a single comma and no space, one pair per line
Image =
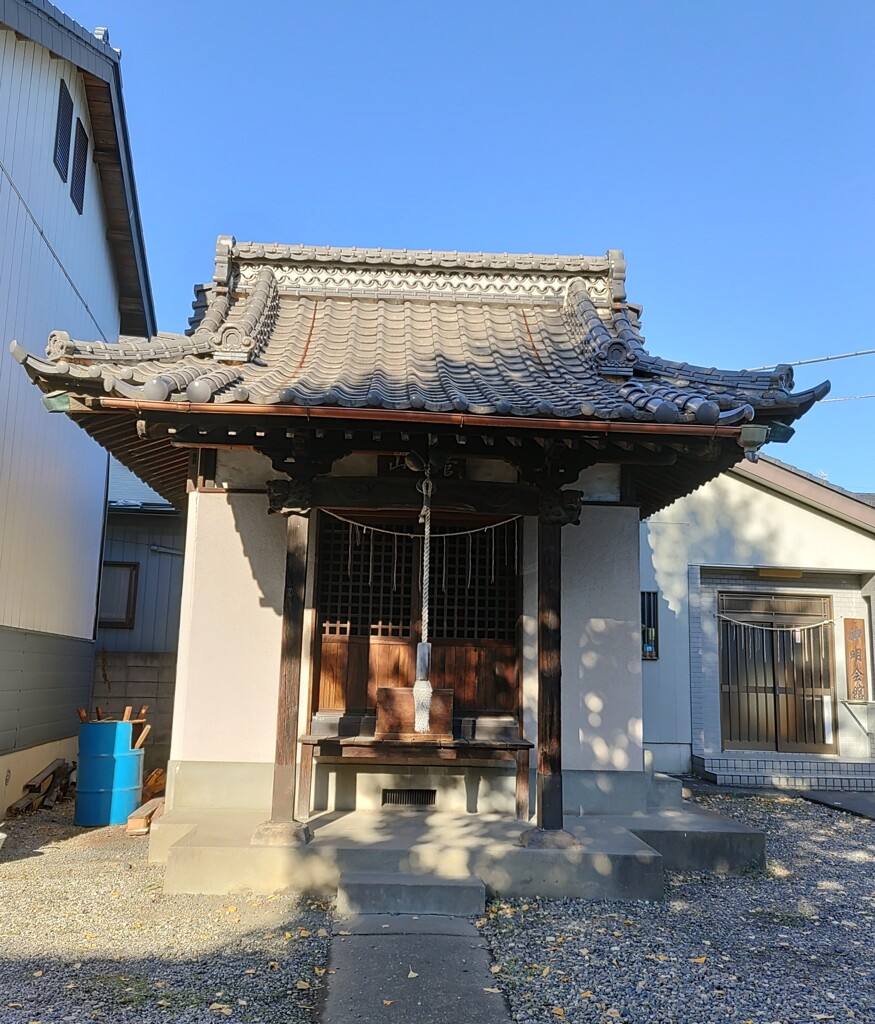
549,778
297,543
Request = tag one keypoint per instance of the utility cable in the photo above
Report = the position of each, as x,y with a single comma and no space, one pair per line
51,249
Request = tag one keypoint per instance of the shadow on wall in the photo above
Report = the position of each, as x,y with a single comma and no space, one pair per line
608,721
717,525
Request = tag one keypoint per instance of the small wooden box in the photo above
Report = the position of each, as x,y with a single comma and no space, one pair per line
395,715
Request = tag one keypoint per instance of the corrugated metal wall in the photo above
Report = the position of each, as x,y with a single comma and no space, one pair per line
52,476
131,538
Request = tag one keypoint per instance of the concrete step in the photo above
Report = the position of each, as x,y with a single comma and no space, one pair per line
394,892
664,791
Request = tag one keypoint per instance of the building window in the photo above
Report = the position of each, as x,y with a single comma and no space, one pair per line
649,625
80,160
118,595
63,129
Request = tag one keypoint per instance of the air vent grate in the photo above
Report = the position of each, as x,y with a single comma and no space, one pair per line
409,797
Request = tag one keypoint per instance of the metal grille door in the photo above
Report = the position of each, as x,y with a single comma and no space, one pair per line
777,677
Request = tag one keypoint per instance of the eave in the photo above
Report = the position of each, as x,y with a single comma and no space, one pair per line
130,430
45,25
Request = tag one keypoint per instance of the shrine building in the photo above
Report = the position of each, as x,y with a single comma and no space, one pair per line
413,484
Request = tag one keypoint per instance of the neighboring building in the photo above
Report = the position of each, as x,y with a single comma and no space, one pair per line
138,623
72,254
327,386
757,616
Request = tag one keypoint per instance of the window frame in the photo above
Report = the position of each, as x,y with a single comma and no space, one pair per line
131,606
80,159
63,131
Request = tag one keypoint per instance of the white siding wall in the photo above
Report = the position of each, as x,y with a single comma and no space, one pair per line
730,522
52,475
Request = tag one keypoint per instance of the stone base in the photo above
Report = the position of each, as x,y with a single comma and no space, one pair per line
543,839
281,833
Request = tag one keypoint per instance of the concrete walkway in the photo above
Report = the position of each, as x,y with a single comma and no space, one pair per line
374,956
861,804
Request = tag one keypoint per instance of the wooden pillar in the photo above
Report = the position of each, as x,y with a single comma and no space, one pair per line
297,538
549,778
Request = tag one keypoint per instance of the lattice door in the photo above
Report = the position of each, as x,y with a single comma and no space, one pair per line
369,596
777,680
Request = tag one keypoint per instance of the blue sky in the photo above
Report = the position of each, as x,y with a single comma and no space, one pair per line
727,147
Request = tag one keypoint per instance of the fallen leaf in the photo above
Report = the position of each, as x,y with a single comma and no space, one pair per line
305,932
480,923
495,968
587,994
545,972
302,985
272,964
388,1002
15,1006
160,984
231,910
698,959
411,973
37,974
222,1008
70,984
251,970
612,1013
344,933
557,1011
319,970
823,1016
162,1002
491,989
287,936
322,933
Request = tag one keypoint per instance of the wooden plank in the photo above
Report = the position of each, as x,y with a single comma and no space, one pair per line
140,820
141,739
43,779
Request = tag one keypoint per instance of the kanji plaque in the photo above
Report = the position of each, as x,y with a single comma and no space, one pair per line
856,665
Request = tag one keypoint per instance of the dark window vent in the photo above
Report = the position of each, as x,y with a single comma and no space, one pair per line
409,797
650,625
63,128
80,159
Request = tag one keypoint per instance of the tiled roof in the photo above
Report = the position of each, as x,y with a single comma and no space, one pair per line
489,334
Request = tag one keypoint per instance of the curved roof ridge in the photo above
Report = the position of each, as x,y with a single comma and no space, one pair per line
611,260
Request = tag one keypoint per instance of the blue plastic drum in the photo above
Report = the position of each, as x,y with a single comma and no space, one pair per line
109,778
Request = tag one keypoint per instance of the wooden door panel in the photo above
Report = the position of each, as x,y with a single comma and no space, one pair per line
333,675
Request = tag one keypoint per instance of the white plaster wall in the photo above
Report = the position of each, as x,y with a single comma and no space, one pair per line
52,475
601,642
230,631
732,521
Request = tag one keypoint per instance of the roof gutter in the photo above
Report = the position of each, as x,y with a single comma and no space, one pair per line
446,419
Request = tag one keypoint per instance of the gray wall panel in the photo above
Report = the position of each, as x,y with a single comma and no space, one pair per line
43,679
131,538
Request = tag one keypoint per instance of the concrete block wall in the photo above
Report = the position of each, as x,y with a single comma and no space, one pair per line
123,678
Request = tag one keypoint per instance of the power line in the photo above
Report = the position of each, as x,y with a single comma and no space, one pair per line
49,246
822,359
853,398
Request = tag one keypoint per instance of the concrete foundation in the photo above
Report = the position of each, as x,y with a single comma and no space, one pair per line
211,852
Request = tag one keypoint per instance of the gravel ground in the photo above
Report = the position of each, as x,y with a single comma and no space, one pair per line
86,933
793,945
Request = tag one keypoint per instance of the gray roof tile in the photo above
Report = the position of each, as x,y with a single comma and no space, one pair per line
489,334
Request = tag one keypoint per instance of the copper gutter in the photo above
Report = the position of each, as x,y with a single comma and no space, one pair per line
455,420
